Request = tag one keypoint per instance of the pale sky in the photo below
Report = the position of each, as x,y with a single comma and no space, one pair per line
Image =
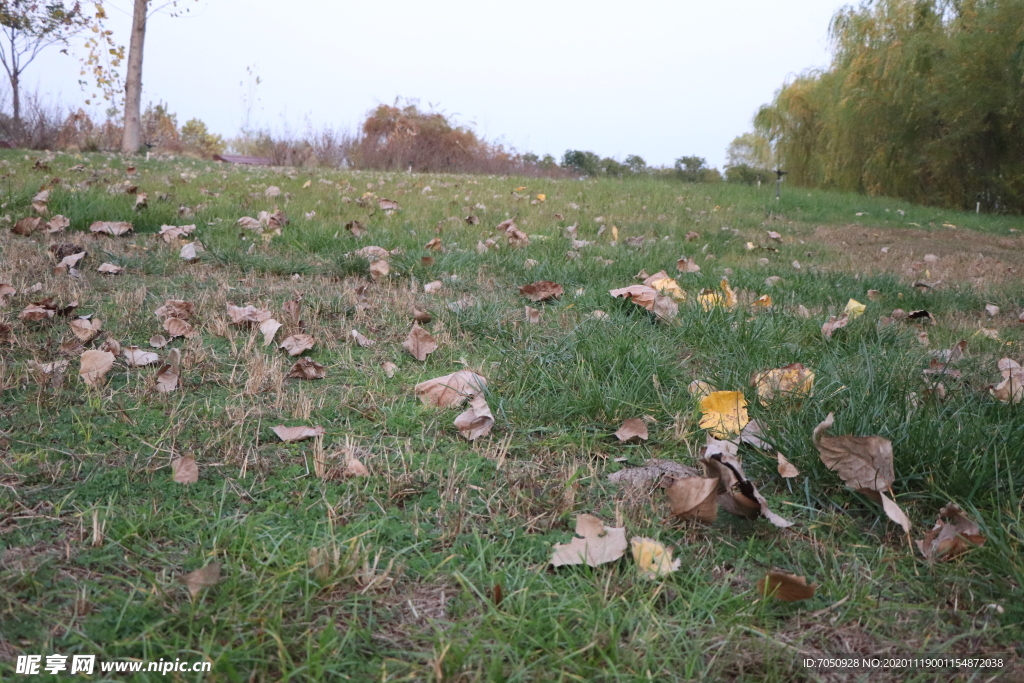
659,79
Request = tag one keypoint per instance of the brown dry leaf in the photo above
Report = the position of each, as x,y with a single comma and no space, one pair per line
599,544
36,312
372,253
112,345
633,428
786,468
57,224
389,369
168,374
785,587
421,316
248,314
95,366
427,261
641,295
207,577
432,287
387,204
141,201
833,323
361,340
462,304
86,330
307,368
774,235
191,251
26,226
764,301
158,341
687,265
379,269
653,470
653,559
992,310
269,328
419,343
864,463
542,290
292,310
737,494
791,382
136,357
434,245
694,498
354,467
948,539
894,512
356,228
516,238
114,228
451,391
724,413
663,284
532,315
176,308
297,344
169,233
690,236
6,290
176,327
477,420
110,269
1011,389
45,372
289,434
184,470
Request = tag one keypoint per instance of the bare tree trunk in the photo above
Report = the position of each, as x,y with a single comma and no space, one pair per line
132,138
16,90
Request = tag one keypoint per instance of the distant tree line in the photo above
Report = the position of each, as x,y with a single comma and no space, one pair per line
924,100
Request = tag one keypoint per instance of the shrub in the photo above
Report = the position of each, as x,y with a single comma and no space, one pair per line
196,138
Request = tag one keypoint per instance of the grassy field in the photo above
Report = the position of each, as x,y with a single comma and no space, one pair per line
435,566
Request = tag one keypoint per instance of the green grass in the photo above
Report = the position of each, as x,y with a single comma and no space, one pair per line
441,525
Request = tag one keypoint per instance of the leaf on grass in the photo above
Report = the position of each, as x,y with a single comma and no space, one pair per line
296,344
184,470
307,368
269,328
687,265
109,269
599,544
169,233
662,283
356,228
864,463
652,558
764,301
248,314
1011,389
894,512
542,290
724,413
136,357
57,224
786,468
293,310
6,290
389,369
115,228
948,539
26,226
176,327
833,323
207,577
531,315
451,391
168,374
434,245
191,251
158,341
86,330
94,367
289,434
421,316
432,287
633,428
785,587
387,204
793,381
176,308
462,304
694,498
419,343
709,298
653,470
477,420
647,297
361,340
854,309
379,269
354,467
737,494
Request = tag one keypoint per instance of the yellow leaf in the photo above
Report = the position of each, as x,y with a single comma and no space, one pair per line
725,413
763,302
709,298
792,381
663,283
541,197
854,308
652,558
615,234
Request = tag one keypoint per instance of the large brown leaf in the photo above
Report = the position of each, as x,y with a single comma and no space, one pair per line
86,330
248,314
864,463
207,577
94,367
419,343
542,290
737,494
451,391
307,368
168,374
477,420
184,470
785,587
952,537
297,344
599,544
111,228
694,498
288,434
176,308
633,428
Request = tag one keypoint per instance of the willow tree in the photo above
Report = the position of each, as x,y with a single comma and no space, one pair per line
924,100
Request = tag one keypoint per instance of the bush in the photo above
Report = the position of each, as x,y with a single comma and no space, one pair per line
694,169
748,175
196,138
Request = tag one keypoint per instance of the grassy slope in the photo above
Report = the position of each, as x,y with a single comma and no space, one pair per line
423,542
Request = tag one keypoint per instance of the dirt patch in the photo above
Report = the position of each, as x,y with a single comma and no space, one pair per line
962,256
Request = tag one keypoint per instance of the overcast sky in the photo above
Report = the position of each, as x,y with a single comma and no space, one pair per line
661,79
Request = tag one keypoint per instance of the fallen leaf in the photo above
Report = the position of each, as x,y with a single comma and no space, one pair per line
450,391
356,228
894,512
709,298
176,327
532,315
775,236
785,587
864,463
662,283
57,224
269,328
690,236
207,577
297,344
157,341
292,310
86,330
111,228
432,287
379,269
948,539
737,494
109,269
389,368
652,558
387,204
168,374
477,420
272,191
176,308
542,290
248,314
599,544
833,323
462,304
94,367
421,316
764,301
184,470
289,434
434,245
372,253
1011,389
26,226
786,468
633,428
112,345
694,498
354,467
724,413
169,233
791,382
307,368
687,265
854,309
137,357
419,343
361,340
191,251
